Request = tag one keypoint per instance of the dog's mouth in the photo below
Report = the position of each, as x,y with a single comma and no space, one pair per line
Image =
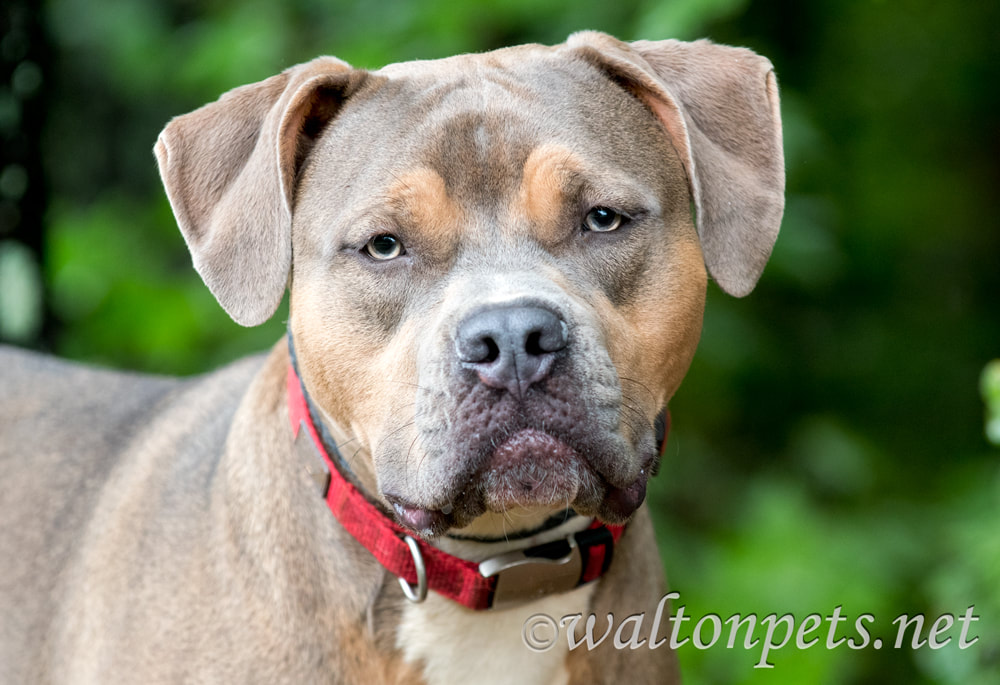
530,469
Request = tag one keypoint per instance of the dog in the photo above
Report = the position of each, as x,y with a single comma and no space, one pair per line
497,267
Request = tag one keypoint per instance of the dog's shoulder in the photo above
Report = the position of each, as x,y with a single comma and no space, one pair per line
74,442
27,374
45,389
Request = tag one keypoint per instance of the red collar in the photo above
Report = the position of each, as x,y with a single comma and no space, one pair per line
501,581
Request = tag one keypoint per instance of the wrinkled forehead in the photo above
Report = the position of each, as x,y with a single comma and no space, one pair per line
476,120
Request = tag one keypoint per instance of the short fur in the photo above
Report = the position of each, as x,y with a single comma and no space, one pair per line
161,530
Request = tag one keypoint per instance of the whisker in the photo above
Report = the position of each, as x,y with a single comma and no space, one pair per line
394,431
408,384
642,385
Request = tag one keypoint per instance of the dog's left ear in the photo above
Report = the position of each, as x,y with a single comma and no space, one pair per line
720,107
230,169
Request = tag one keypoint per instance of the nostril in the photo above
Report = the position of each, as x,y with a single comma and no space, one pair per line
492,351
550,337
533,344
482,349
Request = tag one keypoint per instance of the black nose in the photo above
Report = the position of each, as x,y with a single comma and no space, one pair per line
511,346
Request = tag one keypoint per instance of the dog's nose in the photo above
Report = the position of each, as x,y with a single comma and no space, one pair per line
511,346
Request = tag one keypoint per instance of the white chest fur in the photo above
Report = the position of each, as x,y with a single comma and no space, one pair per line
457,645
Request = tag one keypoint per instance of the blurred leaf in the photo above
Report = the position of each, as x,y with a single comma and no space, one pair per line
20,293
968,574
990,387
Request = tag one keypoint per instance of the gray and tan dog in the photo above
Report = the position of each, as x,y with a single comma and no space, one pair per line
496,284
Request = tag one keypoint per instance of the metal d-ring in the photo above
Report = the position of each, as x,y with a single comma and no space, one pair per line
420,594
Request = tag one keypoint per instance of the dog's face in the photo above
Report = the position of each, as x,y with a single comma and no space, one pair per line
496,281
504,291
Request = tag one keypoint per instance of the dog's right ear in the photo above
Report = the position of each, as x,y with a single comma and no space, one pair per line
230,169
719,106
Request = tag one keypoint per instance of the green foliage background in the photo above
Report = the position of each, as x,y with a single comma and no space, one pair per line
829,444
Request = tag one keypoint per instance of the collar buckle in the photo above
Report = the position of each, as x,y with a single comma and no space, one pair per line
528,574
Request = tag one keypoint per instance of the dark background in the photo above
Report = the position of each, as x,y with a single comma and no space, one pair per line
829,444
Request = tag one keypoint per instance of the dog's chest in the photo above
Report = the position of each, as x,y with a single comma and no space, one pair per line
453,644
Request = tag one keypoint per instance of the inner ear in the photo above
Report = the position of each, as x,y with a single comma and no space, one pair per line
305,121
316,113
663,108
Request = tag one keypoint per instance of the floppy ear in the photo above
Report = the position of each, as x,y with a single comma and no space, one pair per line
720,107
230,168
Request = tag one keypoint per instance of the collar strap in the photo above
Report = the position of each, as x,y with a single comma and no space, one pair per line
502,581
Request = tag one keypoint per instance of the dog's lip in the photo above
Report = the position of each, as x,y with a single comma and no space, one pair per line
619,504
529,468
567,478
424,521
532,446
532,467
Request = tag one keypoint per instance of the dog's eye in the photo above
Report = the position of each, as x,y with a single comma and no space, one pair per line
602,220
384,247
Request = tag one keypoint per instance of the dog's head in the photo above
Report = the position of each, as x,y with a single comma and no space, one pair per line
496,278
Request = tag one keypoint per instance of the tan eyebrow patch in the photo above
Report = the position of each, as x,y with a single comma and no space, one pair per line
546,183
422,197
